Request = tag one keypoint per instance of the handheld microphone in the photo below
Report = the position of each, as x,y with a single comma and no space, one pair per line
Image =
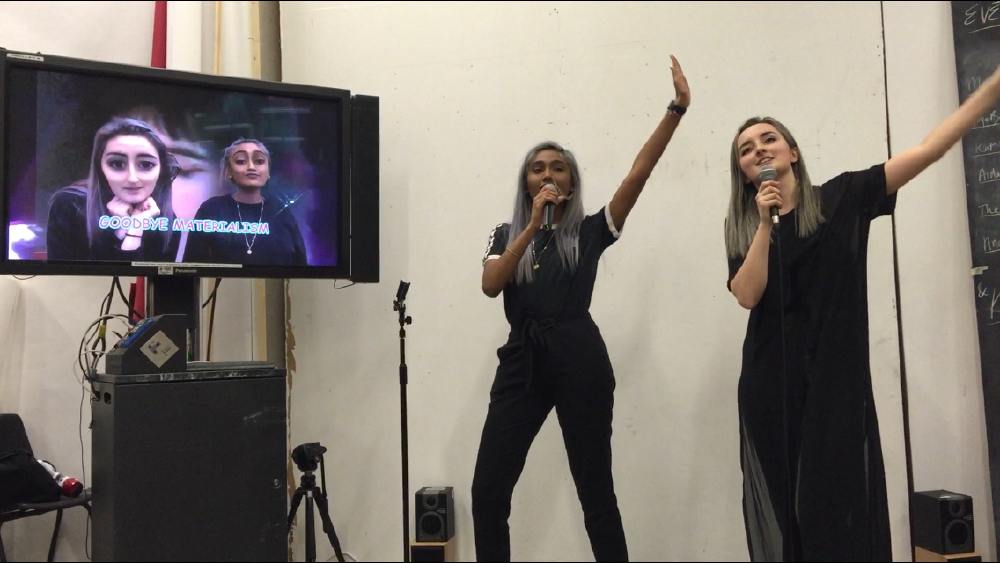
549,210
769,173
70,486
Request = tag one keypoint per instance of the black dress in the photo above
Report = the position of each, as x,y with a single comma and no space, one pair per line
837,467
282,245
554,357
66,235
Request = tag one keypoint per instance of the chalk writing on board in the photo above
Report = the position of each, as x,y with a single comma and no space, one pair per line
986,211
982,16
991,245
987,148
983,292
989,175
991,120
976,35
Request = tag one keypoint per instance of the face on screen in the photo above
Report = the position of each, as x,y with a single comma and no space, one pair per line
49,193
249,166
132,167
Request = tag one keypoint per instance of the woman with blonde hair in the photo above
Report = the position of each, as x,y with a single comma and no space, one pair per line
813,474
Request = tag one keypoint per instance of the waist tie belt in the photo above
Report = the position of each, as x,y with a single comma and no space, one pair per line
533,337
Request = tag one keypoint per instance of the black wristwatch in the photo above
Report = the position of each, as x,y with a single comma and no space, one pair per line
679,110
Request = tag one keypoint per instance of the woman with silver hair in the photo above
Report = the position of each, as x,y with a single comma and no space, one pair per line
555,355
267,233
797,260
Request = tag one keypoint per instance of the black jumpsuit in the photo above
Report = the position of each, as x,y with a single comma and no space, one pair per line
554,356
836,463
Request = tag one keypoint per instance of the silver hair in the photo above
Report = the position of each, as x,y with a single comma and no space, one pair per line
567,234
228,152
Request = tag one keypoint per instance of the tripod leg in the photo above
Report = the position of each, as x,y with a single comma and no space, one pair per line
324,515
296,499
310,528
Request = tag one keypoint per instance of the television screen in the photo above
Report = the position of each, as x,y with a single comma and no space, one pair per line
109,169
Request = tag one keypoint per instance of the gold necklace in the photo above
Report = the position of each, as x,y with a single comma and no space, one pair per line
538,256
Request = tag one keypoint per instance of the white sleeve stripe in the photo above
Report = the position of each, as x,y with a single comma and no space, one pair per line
611,223
489,245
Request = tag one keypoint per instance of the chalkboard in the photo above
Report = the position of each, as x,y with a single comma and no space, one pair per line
976,28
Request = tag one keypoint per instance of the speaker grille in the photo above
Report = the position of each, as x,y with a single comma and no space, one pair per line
943,522
431,524
435,514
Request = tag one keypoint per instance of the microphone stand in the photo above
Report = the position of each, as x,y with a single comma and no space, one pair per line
398,305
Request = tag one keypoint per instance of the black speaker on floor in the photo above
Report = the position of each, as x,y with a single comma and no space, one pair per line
435,514
943,523
190,466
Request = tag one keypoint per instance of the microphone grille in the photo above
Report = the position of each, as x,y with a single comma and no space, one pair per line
768,173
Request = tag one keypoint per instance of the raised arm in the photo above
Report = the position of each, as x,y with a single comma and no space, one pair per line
906,165
628,193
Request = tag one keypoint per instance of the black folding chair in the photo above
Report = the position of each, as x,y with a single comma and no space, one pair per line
25,510
13,436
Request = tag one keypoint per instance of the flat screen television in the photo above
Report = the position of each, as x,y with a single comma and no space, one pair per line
121,170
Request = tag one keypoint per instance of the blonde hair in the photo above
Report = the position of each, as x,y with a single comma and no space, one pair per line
743,217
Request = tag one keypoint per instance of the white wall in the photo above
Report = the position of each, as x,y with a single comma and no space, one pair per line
466,89
51,314
947,425
54,312
11,344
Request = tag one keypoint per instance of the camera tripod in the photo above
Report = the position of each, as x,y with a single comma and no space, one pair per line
312,493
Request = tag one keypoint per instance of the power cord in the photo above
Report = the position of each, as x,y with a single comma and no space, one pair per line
211,296
211,317
94,337
116,284
92,347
